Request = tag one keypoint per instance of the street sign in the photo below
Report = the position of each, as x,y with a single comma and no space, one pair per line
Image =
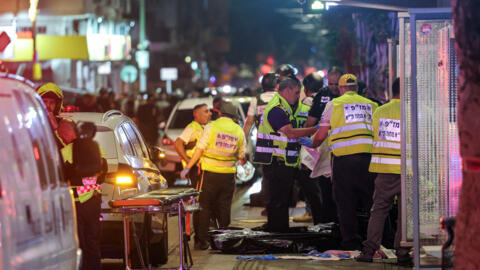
168,74
4,41
142,58
129,74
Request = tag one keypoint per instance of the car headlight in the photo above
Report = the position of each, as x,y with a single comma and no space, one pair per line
123,180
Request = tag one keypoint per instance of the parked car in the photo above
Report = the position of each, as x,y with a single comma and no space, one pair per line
37,215
182,114
131,171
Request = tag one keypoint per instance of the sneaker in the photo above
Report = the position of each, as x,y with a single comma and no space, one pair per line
303,218
366,255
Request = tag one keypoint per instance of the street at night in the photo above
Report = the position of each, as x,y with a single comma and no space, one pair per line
233,134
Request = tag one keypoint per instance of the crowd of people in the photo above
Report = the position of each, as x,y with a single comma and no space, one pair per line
342,149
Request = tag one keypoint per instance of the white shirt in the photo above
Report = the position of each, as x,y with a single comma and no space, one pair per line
327,114
187,134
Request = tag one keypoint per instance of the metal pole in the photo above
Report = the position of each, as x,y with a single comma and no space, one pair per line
180,233
169,87
392,64
125,241
142,46
414,107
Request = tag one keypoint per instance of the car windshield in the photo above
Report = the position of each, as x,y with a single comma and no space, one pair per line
181,119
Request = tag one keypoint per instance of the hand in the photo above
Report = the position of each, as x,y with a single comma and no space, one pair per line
53,120
305,141
242,161
183,174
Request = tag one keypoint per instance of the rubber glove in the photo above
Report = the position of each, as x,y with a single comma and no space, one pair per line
183,174
306,141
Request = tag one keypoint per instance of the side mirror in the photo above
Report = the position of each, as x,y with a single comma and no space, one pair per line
162,125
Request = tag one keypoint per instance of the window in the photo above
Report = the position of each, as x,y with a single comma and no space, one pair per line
124,143
136,143
181,119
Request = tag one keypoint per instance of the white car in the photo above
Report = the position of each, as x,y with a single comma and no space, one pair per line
37,216
182,114
131,171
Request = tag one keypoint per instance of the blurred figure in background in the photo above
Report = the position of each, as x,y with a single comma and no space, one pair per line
129,106
216,103
113,103
102,99
88,103
148,116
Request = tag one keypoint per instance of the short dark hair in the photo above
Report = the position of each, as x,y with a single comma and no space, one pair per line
313,82
198,106
396,87
288,83
336,70
270,81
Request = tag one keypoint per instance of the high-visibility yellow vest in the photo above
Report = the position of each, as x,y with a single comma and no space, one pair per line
301,114
192,144
224,141
386,153
271,143
351,130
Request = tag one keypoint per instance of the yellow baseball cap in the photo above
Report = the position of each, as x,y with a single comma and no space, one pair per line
347,79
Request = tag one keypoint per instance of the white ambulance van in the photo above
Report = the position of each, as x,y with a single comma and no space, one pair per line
37,217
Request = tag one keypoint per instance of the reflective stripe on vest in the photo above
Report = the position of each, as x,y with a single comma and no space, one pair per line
386,153
276,144
224,141
197,132
351,129
275,137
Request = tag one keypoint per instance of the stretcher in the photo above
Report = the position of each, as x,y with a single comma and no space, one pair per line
174,202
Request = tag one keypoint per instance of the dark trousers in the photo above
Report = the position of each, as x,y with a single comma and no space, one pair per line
329,207
387,186
89,232
195,177
280,183
353,188
194,174
215,197
313,195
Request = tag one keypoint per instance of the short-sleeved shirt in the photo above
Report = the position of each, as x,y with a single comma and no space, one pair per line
320,101
327,114
186,135
278,118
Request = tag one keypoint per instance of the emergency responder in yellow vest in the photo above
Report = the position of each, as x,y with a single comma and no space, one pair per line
347,120
277,150
257,106
186,145
86,188
310,188
187,141
386,162
52,97
221,145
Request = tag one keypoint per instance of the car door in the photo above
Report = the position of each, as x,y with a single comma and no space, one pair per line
60,198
